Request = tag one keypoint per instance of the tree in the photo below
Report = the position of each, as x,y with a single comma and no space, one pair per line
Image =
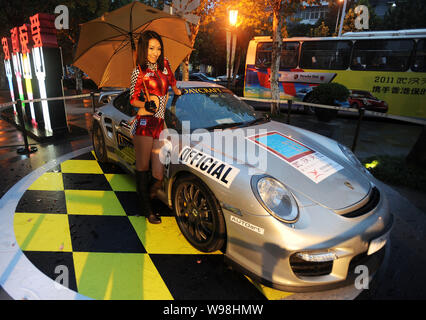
406,14
281,9
321,31
374,22
257,14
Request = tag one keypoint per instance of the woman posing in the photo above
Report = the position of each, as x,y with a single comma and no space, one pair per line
148,91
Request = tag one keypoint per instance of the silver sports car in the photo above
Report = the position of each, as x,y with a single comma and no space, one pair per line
293,209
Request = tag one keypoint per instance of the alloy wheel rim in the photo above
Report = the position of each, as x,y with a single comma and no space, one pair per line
194,213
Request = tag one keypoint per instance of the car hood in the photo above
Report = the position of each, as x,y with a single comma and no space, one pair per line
324,175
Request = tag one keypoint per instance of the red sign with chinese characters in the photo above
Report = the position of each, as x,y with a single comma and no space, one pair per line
43,30
14,35
6,45
24,40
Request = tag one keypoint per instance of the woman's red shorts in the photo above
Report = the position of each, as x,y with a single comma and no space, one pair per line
149,126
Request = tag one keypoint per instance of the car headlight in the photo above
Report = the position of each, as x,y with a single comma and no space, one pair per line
275,198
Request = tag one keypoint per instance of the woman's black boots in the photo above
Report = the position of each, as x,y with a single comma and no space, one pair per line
142,187
155,186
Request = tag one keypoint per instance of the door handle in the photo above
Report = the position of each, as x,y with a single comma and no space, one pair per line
123,123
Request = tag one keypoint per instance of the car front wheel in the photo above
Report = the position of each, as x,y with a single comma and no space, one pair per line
198,214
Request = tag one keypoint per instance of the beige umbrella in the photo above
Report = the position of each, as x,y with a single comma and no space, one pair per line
104,50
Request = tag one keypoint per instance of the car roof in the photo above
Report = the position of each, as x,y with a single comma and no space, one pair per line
182,84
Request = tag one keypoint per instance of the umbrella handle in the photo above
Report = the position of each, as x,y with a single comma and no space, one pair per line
146,90
132,42
144,85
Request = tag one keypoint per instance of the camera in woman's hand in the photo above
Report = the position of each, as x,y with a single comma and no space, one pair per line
150,106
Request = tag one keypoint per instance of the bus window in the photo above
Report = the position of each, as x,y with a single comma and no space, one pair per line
263,55
382,55
329,55
289,55
419,60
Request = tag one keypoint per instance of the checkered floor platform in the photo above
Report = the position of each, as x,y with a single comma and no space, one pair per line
84,215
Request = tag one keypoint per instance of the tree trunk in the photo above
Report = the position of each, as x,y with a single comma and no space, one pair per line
276,56
185,64
185,69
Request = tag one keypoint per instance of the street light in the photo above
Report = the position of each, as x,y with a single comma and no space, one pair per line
338,16
233,15
342,18
231,35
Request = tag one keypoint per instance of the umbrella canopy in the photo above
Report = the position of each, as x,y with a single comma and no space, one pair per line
104,50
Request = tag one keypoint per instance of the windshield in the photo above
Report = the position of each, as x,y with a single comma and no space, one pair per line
209,108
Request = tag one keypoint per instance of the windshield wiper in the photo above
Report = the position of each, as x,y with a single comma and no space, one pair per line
225,125
257,120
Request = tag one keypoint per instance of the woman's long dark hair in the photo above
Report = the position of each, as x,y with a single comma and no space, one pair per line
142,52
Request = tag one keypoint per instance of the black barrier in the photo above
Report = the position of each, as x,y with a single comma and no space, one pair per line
358,126
289,106
27,149
361,113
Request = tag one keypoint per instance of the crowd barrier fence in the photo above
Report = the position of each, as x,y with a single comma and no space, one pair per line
361,113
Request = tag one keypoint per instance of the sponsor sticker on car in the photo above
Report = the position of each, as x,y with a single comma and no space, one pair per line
247,225
204,163
311,163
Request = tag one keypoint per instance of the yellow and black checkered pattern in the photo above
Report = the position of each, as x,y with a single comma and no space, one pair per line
84,215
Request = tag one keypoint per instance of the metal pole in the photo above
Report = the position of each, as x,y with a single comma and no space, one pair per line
26,149
92,95
361,115
342,18
228,53
289,105
337,20
234,45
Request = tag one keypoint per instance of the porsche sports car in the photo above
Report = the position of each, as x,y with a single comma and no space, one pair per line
292,209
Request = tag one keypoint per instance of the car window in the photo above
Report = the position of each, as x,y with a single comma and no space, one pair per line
122,103
205,108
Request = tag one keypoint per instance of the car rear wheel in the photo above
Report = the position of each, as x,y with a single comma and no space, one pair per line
198,214
98,142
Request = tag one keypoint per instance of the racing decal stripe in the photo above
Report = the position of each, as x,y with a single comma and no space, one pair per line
311,163
221,172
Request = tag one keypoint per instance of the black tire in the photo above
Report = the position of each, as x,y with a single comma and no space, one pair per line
98,142
198,214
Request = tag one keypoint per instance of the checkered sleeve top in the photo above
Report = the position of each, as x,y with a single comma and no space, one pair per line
157,83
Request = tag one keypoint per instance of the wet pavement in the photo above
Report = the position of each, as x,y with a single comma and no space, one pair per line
404,277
